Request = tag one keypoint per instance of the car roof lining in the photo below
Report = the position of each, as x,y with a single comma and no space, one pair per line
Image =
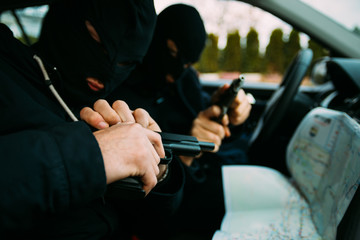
15,4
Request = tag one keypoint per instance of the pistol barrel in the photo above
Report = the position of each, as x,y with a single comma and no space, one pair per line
206,146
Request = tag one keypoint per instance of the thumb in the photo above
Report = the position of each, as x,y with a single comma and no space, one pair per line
212,112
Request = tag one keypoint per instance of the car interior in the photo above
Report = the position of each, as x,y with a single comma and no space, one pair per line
279,110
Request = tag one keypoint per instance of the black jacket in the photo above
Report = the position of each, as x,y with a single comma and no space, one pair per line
39,150
51,169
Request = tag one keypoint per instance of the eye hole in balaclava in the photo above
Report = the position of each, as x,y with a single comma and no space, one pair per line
173,61
93,33
121,69
125,29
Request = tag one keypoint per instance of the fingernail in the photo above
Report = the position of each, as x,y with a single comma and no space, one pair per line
103,125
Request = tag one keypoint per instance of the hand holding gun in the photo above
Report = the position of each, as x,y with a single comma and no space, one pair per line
227,97
174,145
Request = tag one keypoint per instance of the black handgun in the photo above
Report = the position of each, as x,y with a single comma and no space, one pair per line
227,97
174,145
182,145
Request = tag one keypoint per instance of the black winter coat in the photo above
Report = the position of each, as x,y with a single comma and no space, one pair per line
52,175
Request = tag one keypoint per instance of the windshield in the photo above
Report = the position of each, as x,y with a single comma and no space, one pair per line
346,13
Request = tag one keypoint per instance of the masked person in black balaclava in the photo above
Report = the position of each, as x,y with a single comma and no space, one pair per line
54,172
94,46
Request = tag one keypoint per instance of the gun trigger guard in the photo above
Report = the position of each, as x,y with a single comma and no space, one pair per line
168,157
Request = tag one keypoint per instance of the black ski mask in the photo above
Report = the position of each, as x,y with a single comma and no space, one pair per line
182,24
125,29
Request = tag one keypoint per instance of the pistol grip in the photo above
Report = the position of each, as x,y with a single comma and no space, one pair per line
131,187
127,188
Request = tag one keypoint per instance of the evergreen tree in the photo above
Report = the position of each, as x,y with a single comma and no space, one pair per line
31,39
251,61
209,58
318,50
274,53
232,53
291,47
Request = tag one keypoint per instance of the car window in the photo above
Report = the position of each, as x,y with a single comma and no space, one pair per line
345,13
30,20
245,39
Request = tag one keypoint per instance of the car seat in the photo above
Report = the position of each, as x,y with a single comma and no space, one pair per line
323,158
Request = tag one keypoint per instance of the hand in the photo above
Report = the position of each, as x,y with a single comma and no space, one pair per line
128,150
240,108
105,115
205,129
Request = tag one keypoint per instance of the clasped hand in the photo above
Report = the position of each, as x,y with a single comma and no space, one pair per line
127,140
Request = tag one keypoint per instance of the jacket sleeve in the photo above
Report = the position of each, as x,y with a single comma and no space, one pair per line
45,172
154,213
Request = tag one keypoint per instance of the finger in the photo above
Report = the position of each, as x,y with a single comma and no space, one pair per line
204,120
151,159
205,135
155,161
237,119
154,171
211,131
211,112
143,118
154,147
156,141
104,109
227,131
93,118
212,127
153,125
123,111
149,181
239,100
244,110
240,109
154,153
225,120
240,114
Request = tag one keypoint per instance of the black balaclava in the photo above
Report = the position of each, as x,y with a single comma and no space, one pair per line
125,29
182,24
